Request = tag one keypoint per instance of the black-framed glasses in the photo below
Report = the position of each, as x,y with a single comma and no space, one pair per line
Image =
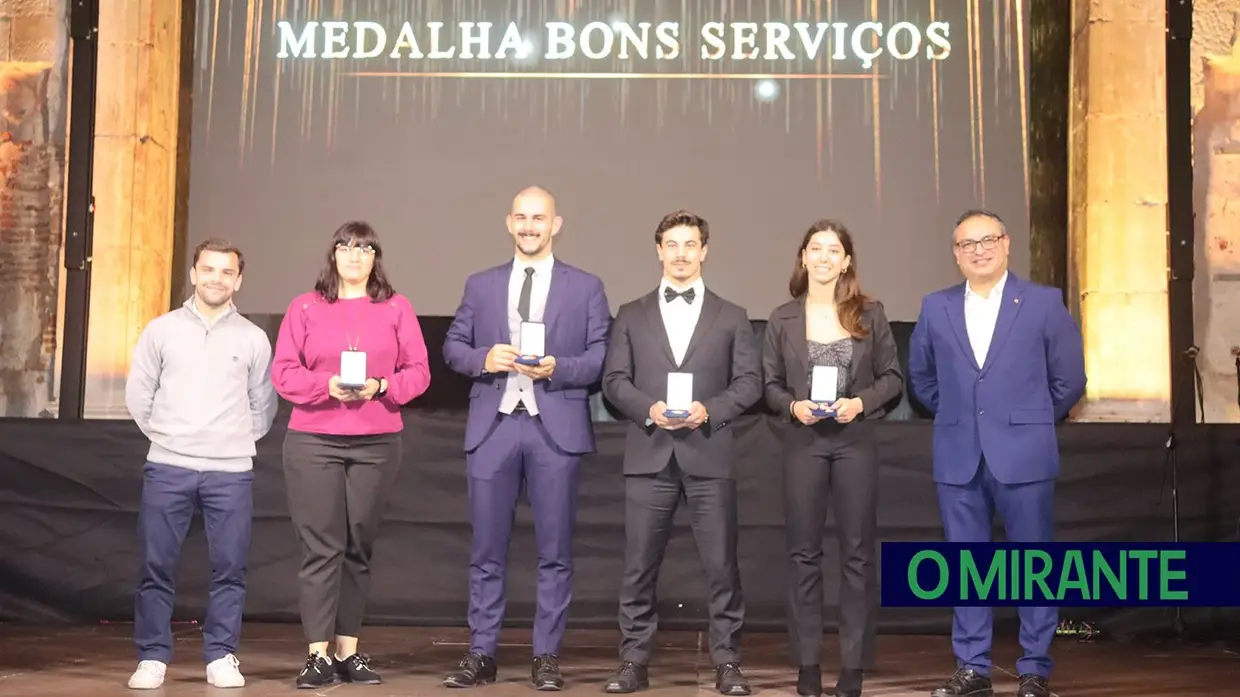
988,243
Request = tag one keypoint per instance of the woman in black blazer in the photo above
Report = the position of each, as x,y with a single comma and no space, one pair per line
830,458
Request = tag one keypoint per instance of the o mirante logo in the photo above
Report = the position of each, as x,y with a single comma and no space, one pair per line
1060,574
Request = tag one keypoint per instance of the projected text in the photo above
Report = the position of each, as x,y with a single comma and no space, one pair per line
865,42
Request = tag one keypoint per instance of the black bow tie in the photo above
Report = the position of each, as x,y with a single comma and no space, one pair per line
670,295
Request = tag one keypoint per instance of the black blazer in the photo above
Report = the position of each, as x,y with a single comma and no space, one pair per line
726,363
875,371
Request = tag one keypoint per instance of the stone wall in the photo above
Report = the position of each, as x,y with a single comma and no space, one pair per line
33,60
1216,183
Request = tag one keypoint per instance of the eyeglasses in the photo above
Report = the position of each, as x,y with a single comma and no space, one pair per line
988,243
346,248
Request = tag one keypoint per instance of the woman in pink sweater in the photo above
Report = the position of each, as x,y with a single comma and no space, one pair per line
343,447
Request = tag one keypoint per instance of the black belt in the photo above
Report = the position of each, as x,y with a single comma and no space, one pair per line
520,408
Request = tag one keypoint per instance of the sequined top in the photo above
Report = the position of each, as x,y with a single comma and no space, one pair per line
836,353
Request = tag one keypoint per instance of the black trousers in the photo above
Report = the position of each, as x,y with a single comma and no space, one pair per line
650,504
338,488
832,465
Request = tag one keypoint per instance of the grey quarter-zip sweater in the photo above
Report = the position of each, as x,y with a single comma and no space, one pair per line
201,391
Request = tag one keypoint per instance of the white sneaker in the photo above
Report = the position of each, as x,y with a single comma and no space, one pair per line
223,672
148,676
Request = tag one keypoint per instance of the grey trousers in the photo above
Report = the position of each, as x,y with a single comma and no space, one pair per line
338,488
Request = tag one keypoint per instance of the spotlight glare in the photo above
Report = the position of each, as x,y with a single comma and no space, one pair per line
766,90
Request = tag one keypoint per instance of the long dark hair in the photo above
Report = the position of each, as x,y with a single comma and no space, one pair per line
362,235
849,302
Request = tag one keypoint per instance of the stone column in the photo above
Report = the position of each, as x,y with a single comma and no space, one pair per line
1117,238
1216,180
136,137
33,35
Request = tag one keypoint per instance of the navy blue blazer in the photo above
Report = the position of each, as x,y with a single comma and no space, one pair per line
1005,410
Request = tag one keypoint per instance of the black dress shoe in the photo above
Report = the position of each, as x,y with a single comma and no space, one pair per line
545,673
849,683
809,681
965,683
730,681
629,677
475,669
1033,686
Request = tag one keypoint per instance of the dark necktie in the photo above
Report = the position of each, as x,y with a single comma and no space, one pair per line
670,295
523,303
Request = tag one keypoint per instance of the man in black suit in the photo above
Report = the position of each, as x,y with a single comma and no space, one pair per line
681,328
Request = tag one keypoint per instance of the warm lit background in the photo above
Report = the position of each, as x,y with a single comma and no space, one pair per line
1096,170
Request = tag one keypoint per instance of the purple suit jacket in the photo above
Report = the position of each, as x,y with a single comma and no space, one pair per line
578,321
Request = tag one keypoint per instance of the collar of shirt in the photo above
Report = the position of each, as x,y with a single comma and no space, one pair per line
541,267
996,292
698,286
193,308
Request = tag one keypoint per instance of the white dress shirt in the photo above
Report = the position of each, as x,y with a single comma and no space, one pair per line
519,388
981,314
680,317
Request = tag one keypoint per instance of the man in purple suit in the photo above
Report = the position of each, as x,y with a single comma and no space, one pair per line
999,361
528,427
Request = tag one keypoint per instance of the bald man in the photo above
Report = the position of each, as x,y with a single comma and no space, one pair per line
528,427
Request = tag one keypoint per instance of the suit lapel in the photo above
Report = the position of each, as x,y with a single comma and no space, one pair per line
1008,310
655,317
555,294
794,331
499,279
859,349
955,316
710,310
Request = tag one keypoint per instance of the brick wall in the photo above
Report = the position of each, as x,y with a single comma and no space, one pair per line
33,39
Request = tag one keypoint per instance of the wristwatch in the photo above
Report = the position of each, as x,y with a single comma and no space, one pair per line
383,387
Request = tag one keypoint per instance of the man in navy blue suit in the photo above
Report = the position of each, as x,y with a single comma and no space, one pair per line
528,427
999,361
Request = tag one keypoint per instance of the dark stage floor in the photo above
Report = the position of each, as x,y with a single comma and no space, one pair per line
96,661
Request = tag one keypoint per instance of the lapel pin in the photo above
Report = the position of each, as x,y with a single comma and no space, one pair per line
1016,300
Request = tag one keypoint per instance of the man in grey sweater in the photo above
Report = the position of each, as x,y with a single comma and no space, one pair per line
200,389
